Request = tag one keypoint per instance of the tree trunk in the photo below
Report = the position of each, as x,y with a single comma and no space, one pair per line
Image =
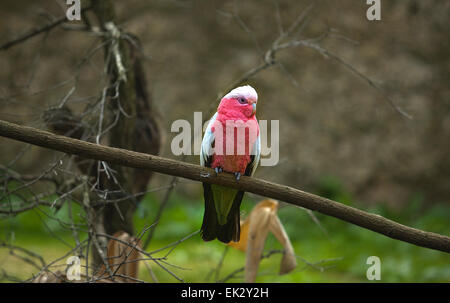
136,128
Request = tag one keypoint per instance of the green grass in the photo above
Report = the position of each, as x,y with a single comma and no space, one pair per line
343,249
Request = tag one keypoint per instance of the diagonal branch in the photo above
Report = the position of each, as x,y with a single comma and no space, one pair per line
270,56
37,31
284,193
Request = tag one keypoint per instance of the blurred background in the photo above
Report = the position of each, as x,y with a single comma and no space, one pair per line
366,123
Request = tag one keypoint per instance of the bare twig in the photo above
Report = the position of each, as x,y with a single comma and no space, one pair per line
37,31
161,208
280,43
30,254
315,265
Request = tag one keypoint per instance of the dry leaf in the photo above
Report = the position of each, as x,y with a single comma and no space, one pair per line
262,219
289,261
122,258
242,244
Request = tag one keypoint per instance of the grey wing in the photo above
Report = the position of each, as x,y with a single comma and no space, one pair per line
255,156
206,149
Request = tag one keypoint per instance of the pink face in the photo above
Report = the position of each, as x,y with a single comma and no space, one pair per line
239,105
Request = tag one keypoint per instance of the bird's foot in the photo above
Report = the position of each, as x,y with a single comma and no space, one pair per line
218,170
237,175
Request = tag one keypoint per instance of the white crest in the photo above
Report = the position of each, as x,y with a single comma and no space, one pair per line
246,91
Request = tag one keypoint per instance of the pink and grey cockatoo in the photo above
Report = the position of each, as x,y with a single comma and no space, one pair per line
231,144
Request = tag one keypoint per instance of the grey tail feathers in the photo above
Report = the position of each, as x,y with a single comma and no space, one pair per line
211,229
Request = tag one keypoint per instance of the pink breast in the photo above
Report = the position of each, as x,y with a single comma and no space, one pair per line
234,141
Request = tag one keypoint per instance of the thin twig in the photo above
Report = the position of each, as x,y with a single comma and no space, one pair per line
37,31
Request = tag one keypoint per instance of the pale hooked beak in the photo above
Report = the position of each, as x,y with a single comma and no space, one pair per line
253,108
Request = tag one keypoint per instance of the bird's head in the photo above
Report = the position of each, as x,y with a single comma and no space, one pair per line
239,103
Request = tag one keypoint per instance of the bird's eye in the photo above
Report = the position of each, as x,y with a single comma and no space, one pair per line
242,100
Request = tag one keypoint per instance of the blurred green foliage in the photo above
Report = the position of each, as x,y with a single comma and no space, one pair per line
341,250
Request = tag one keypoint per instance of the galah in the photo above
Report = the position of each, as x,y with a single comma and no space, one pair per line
231,144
